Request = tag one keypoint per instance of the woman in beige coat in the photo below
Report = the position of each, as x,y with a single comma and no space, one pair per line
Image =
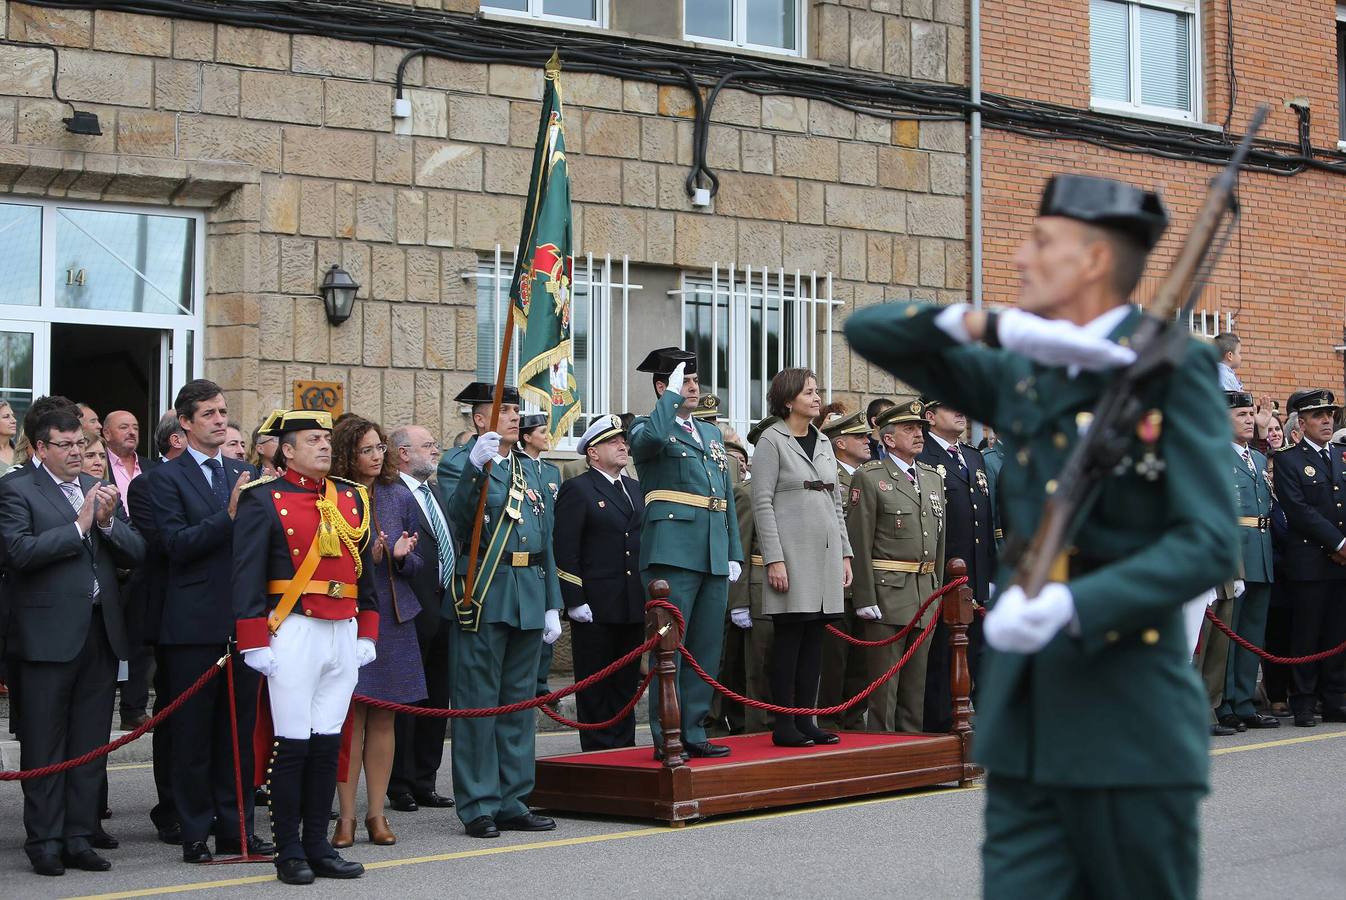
802,534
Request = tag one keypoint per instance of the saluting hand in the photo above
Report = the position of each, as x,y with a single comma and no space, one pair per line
238,489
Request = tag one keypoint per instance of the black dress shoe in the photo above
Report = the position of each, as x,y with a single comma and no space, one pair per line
791,740
1217,730
818,736
434,800
294,871
1234,722
482,827
527,822
170,834
101,840
1305,720
335,867
1260,721
48,864
87,860
706,749
403,802
256,847
1334,715
196,852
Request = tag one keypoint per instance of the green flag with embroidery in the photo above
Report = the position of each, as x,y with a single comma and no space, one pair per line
541,289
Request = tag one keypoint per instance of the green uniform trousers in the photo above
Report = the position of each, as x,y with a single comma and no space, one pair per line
727,715
1250,622
1212,656
493,767
843,677
899,703
702,598
1057,843
544,669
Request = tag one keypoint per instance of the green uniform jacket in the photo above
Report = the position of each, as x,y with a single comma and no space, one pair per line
446,478
670,459
1120,704
844,480
517,595
1252,499
892,519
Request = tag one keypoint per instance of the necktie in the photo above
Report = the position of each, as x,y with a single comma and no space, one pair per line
958,458
1247,458
1327,459
441,536
72,494
217,481
687,427
911,476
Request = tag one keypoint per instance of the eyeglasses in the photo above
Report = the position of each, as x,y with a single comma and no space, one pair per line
64,446
370,451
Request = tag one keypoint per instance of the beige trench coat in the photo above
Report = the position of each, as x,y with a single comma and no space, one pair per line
803,528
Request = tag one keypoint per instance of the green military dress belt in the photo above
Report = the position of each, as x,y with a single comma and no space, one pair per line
714,504
1262,523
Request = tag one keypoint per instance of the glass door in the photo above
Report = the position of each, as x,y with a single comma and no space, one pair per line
23,369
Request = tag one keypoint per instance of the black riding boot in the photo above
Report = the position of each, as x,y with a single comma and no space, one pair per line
320,782
285,779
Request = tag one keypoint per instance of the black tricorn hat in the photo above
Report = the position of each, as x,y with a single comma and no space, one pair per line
1239,399
1308,401
531,421
484,392
1110,204
664,360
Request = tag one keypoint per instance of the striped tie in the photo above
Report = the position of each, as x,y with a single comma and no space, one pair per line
441,537
72,494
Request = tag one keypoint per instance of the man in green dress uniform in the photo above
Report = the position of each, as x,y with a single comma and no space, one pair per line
494,648
843,668
1091,722
690,533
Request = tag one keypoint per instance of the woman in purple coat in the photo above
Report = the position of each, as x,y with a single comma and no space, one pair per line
359,453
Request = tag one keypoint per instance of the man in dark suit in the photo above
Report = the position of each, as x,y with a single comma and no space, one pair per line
65,537
969,536
420,739
148,586
195,498
597,547
1310,477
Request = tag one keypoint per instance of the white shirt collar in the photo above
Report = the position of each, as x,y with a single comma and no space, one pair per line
201,457
1316,448
1239,448
611,480
412,483
900,464
945,445
849,470
74,481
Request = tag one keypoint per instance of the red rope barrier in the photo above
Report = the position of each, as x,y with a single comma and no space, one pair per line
607,723
1271,658
906,629
55,768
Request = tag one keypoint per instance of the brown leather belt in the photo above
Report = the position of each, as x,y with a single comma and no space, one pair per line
520,560
897,565
325,588
825,486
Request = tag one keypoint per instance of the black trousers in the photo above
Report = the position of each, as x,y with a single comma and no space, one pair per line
420,739
164,814
938,717
594,645
796,664
1278,679
202,761
135,690
67,711
1319,610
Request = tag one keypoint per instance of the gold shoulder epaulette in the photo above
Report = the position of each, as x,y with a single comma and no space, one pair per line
345,480
256,481
927,467
872,464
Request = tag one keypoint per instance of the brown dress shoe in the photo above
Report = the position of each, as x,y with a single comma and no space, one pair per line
344,834
379,832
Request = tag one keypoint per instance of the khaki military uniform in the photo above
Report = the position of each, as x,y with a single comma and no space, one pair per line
897,536
844,667
747,651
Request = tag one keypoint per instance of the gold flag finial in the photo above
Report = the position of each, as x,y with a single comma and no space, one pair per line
553,67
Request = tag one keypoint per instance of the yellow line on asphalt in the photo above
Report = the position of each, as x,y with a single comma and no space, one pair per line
1283,742
547,845
122,767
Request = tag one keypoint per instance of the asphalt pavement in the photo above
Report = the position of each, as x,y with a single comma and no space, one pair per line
1273,826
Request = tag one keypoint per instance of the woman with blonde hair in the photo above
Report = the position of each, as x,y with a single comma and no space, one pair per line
9,428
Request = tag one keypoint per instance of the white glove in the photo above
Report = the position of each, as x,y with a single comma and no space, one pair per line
872,613
1019,625
675,380
1056,342
485,449
551,626
260,660
581,613
735,570
741,617
1239,587
364,652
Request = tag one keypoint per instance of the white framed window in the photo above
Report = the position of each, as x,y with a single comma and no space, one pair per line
776,26
1144,57
578,12
746,324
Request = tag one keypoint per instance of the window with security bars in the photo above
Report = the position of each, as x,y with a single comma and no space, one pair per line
1143,57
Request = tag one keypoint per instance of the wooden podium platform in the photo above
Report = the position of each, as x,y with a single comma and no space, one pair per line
631,783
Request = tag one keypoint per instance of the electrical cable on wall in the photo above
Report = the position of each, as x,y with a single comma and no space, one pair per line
471,39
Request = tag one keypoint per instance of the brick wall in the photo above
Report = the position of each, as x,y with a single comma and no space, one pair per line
1283,275
406,210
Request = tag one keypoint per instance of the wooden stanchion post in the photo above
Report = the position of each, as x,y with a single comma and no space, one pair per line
957,610
666,671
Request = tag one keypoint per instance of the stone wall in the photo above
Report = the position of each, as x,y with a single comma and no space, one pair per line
407,207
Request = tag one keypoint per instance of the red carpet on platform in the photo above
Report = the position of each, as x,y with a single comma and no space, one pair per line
746,748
